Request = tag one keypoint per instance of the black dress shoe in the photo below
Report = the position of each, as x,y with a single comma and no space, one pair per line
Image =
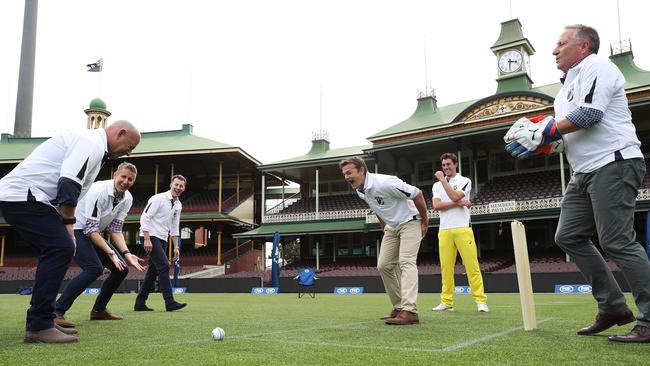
141,307
175,306
606,321
639,334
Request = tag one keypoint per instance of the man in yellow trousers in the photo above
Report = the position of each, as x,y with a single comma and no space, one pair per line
451,199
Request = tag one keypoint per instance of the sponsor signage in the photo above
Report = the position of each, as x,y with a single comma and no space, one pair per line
91,291
572,289
462,290
348,290
265,290
179,290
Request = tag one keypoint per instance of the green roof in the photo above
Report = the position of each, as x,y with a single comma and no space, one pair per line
304,228
512,34
191,216
152,143
97,104
426,116
318,153
634,76
15,149
176,140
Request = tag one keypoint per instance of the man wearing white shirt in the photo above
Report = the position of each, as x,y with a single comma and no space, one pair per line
159,220
103,208
402,214
38,199
451,198
593,119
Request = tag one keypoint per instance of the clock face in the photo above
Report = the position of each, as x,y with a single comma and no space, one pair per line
510,61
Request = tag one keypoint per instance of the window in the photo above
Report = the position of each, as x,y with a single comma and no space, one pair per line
425,172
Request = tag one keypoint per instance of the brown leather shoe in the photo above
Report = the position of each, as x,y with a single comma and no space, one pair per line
392,314
606,321
60,320
51,335
639,334
404,318
104,315
67,331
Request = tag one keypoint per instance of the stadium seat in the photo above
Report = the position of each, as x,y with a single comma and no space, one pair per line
306,282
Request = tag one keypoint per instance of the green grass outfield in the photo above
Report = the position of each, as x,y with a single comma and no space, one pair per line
328,330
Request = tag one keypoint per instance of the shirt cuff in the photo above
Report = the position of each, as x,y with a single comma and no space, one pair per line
92,226
115,226
585,117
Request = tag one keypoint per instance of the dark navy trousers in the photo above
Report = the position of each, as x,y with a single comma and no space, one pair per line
92,260
41,225
158,267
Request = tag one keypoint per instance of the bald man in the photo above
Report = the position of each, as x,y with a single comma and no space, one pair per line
38,198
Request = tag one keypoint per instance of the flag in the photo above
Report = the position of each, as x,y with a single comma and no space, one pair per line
275,255
96,66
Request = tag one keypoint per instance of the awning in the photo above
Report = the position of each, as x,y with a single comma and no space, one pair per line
304,228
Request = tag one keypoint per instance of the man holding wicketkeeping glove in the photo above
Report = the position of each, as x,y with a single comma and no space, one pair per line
594,122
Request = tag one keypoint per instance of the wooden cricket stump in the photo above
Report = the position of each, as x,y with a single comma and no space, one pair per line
523,275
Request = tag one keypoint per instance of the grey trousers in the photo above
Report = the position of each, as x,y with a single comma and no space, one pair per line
603,201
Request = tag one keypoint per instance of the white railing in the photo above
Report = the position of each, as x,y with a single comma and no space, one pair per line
491,208
311,216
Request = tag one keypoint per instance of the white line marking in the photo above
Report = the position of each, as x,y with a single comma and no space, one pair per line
486,338
455,347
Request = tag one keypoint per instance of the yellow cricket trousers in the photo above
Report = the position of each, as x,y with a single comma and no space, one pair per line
461,240
401,245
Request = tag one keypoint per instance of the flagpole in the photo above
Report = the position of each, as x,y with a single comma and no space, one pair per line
99,79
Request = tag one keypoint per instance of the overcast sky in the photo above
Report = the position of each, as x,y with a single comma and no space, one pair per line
249,73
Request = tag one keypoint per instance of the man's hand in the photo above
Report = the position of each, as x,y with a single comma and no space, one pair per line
70,230
425,227
134,261
440,175
177,255
116,260
148,246
533,137
464,203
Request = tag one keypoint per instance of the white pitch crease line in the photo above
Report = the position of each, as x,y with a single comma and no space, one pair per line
355,346
486,338
333,326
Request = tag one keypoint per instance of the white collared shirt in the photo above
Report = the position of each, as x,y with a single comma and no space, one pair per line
161,217
597,83
75,155
455,216
390,198
97,205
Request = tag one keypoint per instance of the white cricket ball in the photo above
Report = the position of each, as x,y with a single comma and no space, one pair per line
218,334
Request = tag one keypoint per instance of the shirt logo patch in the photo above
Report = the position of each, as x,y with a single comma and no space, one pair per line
379,200
569,95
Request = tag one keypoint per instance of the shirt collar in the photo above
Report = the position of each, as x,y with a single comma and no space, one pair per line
169,196
572,66
368,182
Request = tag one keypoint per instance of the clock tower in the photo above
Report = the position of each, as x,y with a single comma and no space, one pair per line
513,53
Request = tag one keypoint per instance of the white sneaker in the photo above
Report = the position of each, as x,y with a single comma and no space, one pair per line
443,307
483,308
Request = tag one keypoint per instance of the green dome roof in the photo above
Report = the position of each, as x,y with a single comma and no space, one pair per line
97,104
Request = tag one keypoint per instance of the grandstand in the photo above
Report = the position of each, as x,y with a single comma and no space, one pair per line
324,220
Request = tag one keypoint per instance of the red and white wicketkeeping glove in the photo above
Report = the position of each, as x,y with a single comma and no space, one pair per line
536,136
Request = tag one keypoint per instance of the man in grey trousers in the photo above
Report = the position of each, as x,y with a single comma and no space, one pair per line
594,122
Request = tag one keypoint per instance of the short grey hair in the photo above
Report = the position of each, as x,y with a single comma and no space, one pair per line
128,166
588,34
